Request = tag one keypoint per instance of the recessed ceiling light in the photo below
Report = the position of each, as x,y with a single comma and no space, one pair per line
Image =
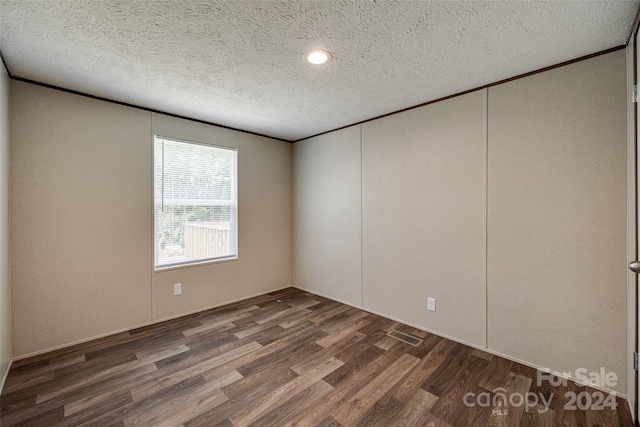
317,56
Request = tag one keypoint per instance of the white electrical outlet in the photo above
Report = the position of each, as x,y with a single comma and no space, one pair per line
431,304
177,289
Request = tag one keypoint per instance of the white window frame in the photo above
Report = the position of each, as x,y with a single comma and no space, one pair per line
199,202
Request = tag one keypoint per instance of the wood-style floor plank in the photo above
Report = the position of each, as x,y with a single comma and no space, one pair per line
406,388
350,382
307,377
451,402
298,403
495,374
348,413
380,413
287,358
416,411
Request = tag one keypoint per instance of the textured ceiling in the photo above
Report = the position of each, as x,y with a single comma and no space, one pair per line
239,63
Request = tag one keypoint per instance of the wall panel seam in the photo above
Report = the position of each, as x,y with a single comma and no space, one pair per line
361,231
485,144
152,213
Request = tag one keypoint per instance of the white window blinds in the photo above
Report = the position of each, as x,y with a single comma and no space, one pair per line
195,202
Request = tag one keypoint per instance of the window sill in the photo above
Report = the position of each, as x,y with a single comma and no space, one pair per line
194,264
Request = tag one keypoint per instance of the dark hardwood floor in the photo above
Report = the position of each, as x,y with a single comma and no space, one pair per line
289,358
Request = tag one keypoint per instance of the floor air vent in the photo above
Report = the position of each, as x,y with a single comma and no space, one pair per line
406,338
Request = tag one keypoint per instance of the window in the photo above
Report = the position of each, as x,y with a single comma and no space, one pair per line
195,202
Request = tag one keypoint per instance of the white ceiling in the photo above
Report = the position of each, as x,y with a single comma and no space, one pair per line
239,63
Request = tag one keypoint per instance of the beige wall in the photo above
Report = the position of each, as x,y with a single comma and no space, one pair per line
80,180
264,220
82,220
423,216
510,211
5,284
326,220
557,217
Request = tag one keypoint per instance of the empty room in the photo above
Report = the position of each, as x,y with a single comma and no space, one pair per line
319,213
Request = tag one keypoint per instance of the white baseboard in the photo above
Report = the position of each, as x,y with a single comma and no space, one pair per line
320,294
6,374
